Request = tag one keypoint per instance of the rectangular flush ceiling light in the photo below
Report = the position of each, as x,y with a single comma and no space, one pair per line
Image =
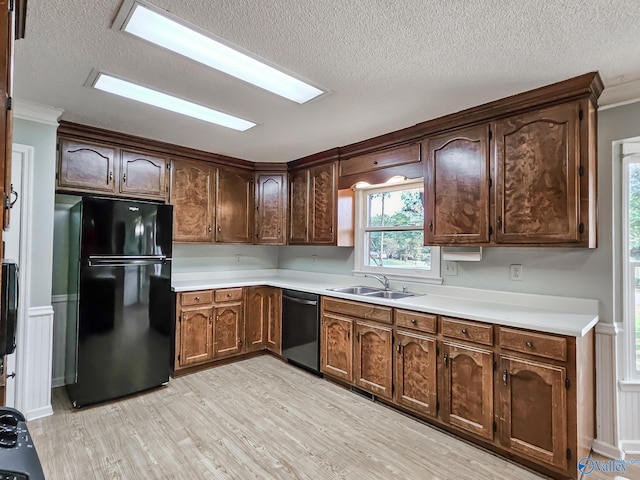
172,33
110,84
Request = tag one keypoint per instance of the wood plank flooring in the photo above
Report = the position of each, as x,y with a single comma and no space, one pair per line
255,419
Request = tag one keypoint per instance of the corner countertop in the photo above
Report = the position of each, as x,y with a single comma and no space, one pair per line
559,315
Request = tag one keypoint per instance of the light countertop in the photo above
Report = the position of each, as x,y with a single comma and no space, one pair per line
545,313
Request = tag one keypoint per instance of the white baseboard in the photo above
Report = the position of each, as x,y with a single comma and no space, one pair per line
39,413
607,450
631,447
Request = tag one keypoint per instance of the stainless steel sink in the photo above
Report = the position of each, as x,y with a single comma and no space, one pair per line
357,290
372,292
390,294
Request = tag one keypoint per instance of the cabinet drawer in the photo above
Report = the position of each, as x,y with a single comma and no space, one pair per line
465,330
203,297
356,309
539,344
228,294
424,322
377,160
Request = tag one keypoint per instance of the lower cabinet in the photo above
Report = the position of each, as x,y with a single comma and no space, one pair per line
528,395
373,358
468,388
210,325
415,373
336,346
533,410
228,331
263,319
196,345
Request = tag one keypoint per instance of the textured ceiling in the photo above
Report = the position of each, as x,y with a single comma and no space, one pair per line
389,63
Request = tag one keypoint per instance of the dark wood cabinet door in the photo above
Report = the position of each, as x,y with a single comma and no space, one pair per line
322,203
538,162
415,373
143,175
468,389
192,197
273,322
457,187
86,166
234,206
228,328
195,336
255,318
533,410
336,346
271,208
299,207
373,358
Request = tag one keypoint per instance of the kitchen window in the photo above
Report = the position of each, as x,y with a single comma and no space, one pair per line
631,254
390,232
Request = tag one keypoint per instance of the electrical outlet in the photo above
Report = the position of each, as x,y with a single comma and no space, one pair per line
515,272
450,268
314,258
237,258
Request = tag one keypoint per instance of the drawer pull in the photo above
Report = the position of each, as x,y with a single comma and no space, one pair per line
414,321
529,344
197,299
464,331
228,294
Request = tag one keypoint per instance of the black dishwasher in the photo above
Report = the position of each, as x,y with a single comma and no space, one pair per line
301,329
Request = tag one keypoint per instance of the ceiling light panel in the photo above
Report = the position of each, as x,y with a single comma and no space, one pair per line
133,91
170,32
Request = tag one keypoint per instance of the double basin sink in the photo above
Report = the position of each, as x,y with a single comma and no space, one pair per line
372,292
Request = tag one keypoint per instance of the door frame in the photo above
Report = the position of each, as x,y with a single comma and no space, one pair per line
25,155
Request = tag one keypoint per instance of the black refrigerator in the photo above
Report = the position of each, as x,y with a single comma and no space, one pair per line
120,309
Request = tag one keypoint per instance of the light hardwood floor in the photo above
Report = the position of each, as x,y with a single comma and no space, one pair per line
255,419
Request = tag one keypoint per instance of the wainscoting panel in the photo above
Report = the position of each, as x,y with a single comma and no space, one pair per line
606,442
36,381
60,304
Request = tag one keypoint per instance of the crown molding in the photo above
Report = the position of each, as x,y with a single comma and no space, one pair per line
36,112
622,94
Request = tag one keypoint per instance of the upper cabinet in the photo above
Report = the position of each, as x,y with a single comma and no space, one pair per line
538,166
143,175
319,214
193,199
322,204
457,187
234,206
93,167
86,166
271,208
299,207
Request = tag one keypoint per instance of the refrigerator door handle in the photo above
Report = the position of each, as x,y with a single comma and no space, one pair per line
123,262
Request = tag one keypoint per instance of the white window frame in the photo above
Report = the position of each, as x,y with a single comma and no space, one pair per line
631,372
360,266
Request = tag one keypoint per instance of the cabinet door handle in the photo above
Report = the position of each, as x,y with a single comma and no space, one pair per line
219,229
398,348
529,344
110,178
210,319
348,334
431,225
499,222
217,317
505,377
358,337
240,343
124,178
446,359
210,228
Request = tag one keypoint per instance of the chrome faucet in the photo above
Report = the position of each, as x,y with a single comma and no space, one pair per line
385,282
